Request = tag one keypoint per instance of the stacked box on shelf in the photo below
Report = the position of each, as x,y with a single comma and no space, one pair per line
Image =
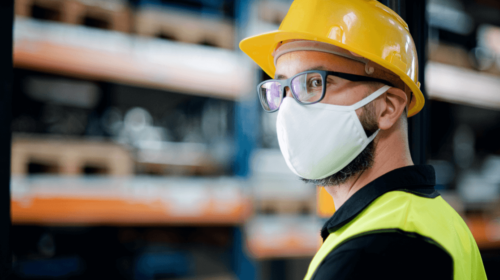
177,159
285,198
184,26
109,14
69,157
286,206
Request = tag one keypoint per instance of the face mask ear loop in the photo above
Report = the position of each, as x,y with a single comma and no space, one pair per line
371,97
373,136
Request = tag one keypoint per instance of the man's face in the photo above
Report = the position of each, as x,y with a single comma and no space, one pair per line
338,92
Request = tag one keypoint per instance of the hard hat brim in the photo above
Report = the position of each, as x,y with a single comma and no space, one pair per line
260,48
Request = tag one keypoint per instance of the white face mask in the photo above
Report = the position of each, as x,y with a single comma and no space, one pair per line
319,140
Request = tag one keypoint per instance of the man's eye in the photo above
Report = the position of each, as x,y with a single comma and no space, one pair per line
315,83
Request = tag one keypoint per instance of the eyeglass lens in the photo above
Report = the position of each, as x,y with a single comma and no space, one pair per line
270,95
306,88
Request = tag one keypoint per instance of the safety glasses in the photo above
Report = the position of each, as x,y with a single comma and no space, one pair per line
307,88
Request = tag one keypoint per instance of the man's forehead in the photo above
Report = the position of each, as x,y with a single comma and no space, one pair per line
315,49
295,62
305,45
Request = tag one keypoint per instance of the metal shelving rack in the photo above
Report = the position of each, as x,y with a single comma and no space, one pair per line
117,57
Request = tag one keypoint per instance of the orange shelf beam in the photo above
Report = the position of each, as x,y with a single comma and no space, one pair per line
74,211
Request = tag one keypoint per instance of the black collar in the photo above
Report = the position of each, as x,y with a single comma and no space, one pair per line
417,179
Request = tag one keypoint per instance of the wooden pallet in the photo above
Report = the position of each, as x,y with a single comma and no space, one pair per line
285,206
178,159
205,169
69,157
108,14
184,27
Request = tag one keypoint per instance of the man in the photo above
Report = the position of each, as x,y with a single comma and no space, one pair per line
345,81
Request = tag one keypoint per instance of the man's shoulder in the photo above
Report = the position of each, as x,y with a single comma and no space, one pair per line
392,254
419,207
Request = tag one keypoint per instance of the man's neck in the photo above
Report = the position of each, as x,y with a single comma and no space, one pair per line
390,154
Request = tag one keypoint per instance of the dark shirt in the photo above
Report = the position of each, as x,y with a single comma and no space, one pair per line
393,254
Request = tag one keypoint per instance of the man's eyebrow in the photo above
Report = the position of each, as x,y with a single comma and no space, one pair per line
284,77
317,68
280,77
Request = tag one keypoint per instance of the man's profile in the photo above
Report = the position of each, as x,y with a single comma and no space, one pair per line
345,82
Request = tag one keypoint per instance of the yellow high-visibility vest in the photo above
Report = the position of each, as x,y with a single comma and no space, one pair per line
432,218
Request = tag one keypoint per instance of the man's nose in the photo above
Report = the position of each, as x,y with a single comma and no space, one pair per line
288,92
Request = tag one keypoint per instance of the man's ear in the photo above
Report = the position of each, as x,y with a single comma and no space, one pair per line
392,106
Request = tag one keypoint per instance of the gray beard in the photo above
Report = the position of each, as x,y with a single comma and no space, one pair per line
361,163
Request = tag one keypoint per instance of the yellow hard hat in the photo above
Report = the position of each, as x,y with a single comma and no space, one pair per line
364,27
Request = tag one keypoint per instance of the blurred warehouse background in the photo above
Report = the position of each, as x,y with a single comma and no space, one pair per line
140,150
